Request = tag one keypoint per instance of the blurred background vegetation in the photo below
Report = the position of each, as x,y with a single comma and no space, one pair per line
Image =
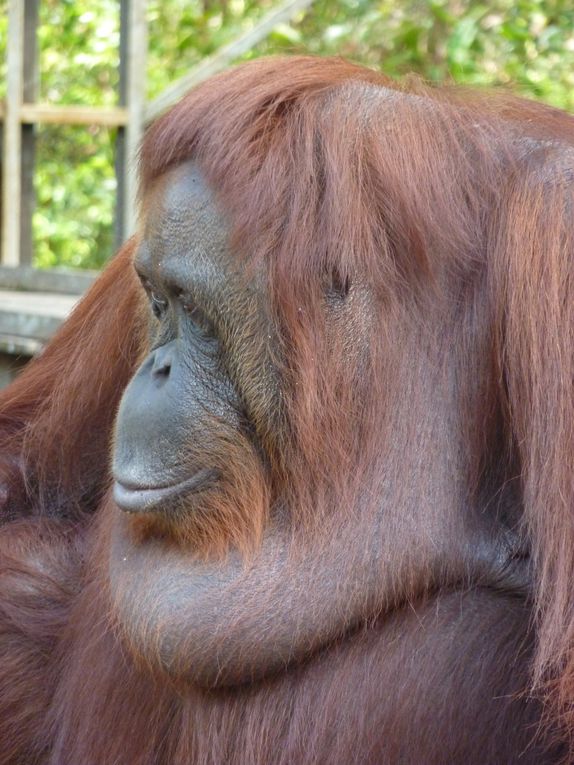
527,45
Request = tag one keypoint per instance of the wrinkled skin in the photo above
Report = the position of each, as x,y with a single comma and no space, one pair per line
181,388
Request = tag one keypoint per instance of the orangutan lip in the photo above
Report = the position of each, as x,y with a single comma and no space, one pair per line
147,499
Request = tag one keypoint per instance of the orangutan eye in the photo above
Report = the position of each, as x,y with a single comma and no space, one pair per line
199,319
158,304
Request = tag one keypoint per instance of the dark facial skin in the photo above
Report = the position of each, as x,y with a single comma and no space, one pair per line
183,397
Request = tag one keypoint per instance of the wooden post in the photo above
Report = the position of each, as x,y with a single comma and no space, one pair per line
12,164
133,57
30,92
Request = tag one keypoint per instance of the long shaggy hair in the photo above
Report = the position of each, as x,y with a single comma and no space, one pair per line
448,214
327,168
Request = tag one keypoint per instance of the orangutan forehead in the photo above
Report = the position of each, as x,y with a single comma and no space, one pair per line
367,98
183,190
183,223
375,108
182,201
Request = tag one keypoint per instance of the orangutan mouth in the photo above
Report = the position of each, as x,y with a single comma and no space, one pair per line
134,498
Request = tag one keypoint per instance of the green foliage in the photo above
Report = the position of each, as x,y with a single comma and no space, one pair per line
525,44
75,196
183,32
78,46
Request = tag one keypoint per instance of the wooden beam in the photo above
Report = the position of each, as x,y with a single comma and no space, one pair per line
33,317
12,166
13,345
61,281
224,56
73,115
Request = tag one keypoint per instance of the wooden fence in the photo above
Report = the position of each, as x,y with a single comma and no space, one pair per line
33,302
20,113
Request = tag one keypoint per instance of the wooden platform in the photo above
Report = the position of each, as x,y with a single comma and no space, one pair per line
27,321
